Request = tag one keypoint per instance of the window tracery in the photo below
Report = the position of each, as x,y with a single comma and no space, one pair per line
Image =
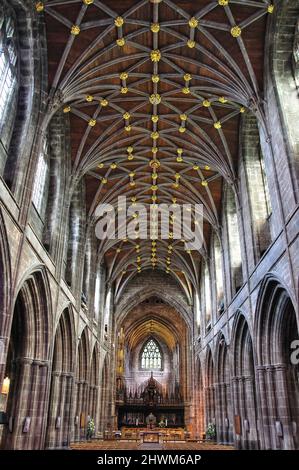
8,73
151,357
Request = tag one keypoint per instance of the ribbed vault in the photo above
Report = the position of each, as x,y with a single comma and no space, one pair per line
154,91
151,328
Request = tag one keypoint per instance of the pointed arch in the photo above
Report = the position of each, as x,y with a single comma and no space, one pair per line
32,82
105,400
82,385
223,392
27,363
210,388
276,328
151,356
60,423
170,297
5,293
244,385
282,83
199,398
94,387
274,311
83,356
33,291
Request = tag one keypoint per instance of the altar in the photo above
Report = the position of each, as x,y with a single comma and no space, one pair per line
152,437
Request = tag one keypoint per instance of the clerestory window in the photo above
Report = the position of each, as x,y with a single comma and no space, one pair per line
8,75
40,178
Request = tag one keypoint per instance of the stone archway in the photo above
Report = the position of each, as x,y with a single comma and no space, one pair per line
223,393
199,400
82,385
276,328
244,386
27,366
210,389
104,411
60,406
93,400
152,315
5,282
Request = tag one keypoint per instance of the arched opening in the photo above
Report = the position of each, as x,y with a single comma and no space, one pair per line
87,271
151,356
55,165
244,386
206,294
283,80
60,405
105,423
224,420
152,374
233,240
276,330
210,391
27,366
199,401
93,399
41,180
107,312
74,236
99,294
257,187
82,385
9,77
218,274
23,78
5,280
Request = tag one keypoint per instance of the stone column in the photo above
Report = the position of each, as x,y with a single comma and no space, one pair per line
77,411
37,404
243,412
229,413
271,407
218,413
18,411
3,355
251,412
54,401
60,410
67,418
236,410
223,414
264,425
207,400
85,407
283,408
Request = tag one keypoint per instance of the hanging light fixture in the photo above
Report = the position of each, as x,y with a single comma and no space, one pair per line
5,386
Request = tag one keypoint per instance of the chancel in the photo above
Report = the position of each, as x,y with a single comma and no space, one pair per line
115,332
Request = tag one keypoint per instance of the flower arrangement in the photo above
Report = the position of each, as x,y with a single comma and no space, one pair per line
211,431
90,429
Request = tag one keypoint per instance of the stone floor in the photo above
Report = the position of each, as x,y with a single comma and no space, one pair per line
133,445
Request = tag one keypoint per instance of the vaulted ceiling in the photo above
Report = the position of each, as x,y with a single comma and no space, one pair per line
154,319
154,90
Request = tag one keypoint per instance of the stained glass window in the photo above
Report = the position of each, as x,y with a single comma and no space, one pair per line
151,358
40,178
8,74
